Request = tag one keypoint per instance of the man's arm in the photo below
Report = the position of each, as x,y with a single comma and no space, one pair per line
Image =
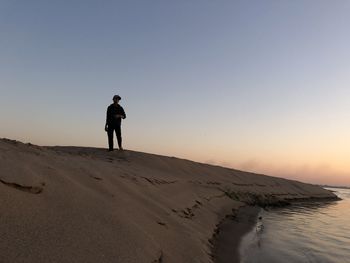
123,113
107,117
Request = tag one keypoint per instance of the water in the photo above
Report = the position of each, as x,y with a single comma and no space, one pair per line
314,232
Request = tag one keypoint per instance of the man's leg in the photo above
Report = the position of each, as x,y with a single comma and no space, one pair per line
118,132
110,138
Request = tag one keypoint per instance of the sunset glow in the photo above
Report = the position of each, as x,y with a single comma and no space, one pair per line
198,80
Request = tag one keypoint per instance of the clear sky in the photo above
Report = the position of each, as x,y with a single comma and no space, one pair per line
257,85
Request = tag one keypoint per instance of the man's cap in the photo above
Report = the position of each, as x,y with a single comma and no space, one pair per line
116,97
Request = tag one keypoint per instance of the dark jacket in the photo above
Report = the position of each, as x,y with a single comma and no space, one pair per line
112,111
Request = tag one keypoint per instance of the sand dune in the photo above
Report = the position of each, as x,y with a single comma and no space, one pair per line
73,204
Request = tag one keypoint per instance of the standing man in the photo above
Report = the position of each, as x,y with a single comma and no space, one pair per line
115,114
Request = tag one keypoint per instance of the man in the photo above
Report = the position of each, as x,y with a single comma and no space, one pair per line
115,114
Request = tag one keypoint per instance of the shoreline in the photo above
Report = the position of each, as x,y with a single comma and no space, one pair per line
230,232
232,229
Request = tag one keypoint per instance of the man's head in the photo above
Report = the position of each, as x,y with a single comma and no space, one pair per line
116,99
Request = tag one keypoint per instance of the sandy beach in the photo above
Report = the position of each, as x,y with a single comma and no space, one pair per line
75,204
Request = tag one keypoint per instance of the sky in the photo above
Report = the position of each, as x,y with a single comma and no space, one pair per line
262,86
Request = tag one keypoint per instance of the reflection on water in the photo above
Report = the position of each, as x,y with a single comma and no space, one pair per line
306,232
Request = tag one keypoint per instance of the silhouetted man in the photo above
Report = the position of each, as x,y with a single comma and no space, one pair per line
115,114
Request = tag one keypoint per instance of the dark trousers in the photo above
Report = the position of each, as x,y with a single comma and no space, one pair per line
118,133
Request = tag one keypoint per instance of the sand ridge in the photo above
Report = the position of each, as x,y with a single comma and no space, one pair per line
76,204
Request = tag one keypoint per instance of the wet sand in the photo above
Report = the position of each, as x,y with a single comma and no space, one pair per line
230,233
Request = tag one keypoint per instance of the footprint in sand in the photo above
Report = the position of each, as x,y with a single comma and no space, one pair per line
97,178
24,188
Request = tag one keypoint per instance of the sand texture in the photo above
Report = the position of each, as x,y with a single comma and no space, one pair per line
74,204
